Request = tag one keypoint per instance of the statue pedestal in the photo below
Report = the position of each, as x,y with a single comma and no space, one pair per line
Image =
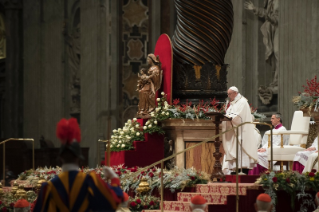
186,133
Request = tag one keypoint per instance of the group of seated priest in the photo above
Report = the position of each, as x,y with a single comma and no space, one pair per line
304,161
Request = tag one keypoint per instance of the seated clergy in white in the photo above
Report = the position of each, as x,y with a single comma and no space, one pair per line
301,157
262,165
312,162
238,109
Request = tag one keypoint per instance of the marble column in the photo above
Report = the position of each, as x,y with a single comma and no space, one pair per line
13,106
298,51
98,78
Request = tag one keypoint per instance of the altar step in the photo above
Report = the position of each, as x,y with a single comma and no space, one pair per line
219,197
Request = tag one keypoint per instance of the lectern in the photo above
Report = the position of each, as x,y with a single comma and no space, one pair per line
217,118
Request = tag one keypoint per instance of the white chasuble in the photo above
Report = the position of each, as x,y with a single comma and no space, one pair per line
239,111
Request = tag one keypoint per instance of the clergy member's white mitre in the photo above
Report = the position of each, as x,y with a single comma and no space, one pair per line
233,88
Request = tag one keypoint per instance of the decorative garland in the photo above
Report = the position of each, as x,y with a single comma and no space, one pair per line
293,183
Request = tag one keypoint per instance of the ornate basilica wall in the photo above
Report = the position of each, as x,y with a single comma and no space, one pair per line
80,58
298,53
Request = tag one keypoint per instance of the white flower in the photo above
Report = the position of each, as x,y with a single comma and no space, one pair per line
137,133
152,114
163,113
129,137
126,124
167,113
163,93
129,121
137,126
135,119
114,131
121,132
120,136
165,103
115,141
155,122
118,145
157,109
120,141
123,145
158,99
125,129
111,146
145,127
149,126
119,129
132,130
112,136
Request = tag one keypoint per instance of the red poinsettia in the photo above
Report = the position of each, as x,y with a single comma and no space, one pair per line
275,179
311,174
133,204
152,202
313,170
312,87
175,102
138,201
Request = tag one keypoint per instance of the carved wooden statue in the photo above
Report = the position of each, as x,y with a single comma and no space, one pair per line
149,82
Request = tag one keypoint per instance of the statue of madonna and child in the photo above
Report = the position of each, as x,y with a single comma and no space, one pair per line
149,82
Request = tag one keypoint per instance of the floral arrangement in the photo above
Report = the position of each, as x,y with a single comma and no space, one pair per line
185,111
257,116
177,178
122,138
293,183
6,207
309,98
8,200
145,202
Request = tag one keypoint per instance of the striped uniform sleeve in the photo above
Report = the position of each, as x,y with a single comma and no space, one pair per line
43,199
104,196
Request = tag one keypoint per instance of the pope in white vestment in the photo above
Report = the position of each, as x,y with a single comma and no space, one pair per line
239,110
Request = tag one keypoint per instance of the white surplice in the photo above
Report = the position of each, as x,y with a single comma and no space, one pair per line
239,111
311,163
276,141
303,156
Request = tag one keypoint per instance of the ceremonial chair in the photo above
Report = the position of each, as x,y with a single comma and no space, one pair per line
297,140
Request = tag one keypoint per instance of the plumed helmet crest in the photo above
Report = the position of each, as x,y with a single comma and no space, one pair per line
68,131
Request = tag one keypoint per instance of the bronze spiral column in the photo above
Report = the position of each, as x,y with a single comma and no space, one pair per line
200,42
